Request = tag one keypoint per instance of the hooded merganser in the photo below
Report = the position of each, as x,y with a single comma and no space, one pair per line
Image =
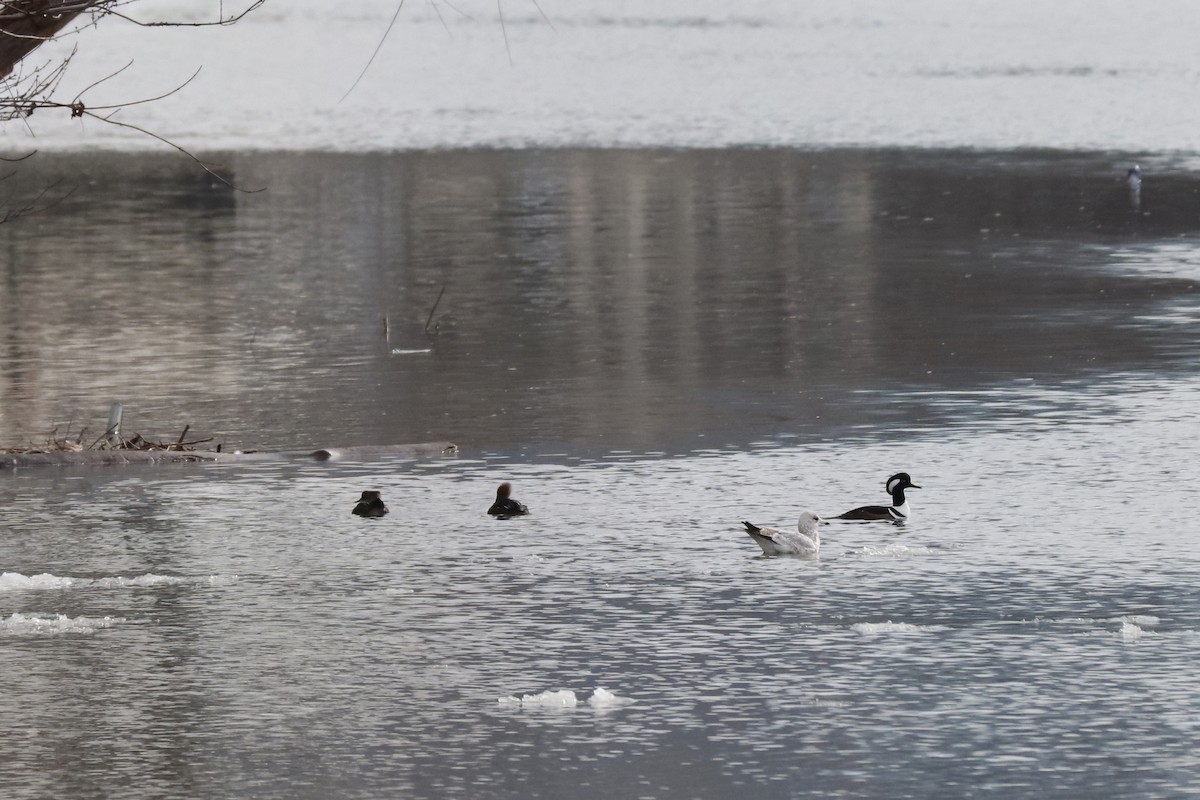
806,541
370,505
505,506
898,511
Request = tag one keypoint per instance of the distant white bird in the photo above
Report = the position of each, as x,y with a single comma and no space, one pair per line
806,541
1133,179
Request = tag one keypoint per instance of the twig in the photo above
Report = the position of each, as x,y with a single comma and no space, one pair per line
32,206
549,22
378,47
441,19
435,305
504,30
94,84
166,24
169,143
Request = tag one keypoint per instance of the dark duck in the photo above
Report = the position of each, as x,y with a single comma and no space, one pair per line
370,505
505,506
898,511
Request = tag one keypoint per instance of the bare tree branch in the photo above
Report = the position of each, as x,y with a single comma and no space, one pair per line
220,21
26,24
379,46
32,207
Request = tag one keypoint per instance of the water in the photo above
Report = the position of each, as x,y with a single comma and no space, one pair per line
593,300
652,344
1016,628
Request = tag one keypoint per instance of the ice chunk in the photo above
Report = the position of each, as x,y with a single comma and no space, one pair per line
58,623
140,581
1129,632
564,698
601,697
14,581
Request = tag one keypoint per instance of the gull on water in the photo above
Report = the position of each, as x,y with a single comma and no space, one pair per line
805,541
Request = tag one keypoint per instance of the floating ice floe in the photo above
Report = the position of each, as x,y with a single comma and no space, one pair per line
564,698
602,698
1130,632
15,581
56,623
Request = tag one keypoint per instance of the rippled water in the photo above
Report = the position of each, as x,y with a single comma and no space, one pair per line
213,632
652,346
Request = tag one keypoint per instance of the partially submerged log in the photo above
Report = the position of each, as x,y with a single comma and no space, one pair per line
117,457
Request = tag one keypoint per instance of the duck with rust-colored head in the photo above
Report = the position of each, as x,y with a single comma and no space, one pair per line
370,504
505,506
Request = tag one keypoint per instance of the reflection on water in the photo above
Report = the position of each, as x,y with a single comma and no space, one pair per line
594,300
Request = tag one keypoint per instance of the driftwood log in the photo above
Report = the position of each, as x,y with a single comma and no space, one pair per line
110,458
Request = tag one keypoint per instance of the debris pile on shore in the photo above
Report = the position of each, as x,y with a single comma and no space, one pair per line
112,449
54,444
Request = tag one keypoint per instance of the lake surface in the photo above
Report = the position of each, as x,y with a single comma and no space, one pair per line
590,301
665,266
652,346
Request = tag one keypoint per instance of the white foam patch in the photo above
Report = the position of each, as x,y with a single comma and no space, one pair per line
894,551
1140,620
889,627
15,581
138,581
565,698
54,624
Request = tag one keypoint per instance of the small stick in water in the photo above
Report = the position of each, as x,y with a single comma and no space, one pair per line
434,309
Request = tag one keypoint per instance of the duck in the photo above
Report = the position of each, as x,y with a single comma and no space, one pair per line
898,511
370,504
806,541
505,506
